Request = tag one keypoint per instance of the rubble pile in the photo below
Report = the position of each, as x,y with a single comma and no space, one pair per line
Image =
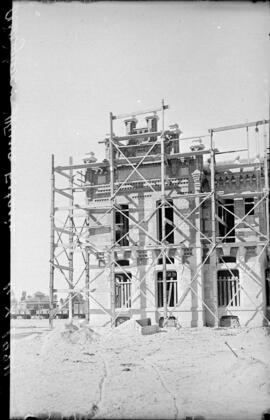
61,343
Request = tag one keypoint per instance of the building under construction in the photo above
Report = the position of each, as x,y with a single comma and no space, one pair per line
156,230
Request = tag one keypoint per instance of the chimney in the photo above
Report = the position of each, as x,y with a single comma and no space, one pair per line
130,124
174,128
89,158
197,145
152,122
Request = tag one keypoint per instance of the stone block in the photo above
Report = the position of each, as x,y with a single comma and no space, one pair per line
229,321
144,322
149,329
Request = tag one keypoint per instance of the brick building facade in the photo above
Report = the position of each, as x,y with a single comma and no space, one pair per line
207,276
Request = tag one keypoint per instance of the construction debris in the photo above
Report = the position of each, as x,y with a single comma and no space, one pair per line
236,355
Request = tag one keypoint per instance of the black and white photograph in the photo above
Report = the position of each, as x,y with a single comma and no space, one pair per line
140,253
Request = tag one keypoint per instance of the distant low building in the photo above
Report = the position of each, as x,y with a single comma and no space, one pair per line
36,305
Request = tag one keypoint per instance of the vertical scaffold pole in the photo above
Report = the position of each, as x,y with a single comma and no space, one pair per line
70,249
266,184
213,257
163,221
87,268
112,266
248,144
52,241
86,256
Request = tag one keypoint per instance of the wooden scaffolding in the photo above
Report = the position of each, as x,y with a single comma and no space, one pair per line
70,222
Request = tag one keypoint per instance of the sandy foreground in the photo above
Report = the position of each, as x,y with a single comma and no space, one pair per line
109,374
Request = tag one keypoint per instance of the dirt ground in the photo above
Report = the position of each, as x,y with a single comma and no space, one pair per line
110,374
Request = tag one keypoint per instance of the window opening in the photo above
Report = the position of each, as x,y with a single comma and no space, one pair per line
171,288
122,225
122,290
168,260
249,206
227,259
122,263
169,226
228,286
228,220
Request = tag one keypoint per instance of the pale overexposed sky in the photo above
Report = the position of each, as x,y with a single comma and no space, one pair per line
75,62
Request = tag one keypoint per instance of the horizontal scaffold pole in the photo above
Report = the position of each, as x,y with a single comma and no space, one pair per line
134,159
167,132
229,166
240,195
62,267
138,136
81,166
62,173
236,126
231,151
59,191
133,114
156,158
61,230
